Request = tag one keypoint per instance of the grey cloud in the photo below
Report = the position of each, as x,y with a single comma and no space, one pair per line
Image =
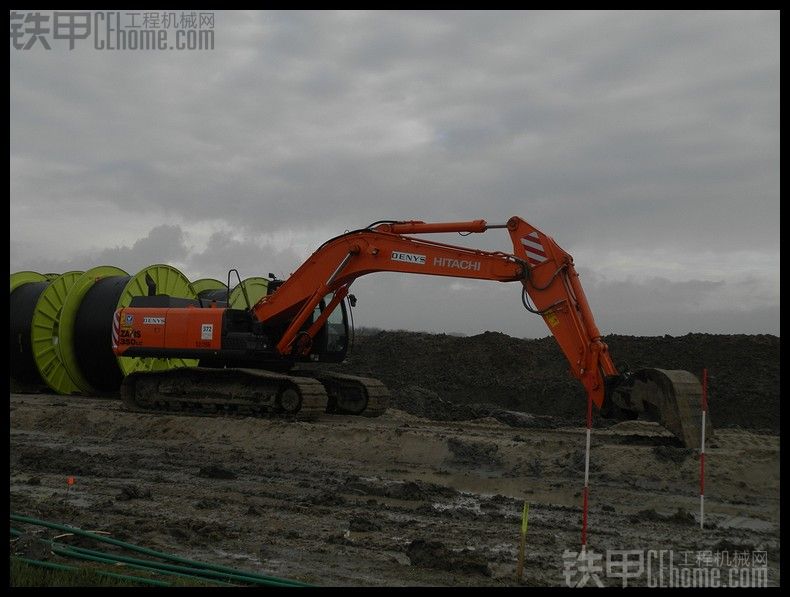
169,244
223,252
656,305
163,244
609,130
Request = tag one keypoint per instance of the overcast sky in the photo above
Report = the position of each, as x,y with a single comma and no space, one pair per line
645,143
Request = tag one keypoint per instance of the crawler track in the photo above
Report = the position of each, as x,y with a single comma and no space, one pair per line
350,394
208,391
304,394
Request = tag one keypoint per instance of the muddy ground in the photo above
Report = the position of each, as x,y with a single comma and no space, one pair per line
395,500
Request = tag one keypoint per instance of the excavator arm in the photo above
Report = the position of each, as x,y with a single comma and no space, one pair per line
551,289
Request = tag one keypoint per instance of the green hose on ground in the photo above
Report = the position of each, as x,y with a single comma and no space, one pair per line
66,550
194,567
194,573
65,567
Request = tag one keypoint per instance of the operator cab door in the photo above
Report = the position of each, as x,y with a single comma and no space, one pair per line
331,343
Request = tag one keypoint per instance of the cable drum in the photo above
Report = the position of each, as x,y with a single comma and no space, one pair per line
85,330
25,277
164,280
45,334
204,284
255,287
93,334
23,304
67,331
220,295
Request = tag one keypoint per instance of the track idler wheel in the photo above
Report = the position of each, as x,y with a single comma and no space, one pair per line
289,401
672,398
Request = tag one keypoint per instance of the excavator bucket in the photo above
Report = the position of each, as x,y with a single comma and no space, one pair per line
672,398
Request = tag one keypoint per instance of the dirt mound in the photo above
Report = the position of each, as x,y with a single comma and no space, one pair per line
454,378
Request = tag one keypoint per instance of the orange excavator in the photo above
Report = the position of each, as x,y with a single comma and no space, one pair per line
249,359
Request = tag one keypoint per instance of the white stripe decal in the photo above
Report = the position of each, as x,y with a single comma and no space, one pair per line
116,324
535,257
532,245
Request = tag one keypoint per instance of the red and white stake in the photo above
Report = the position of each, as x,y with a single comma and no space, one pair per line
586,490
702,450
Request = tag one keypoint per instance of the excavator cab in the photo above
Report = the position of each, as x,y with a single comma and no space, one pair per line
331,342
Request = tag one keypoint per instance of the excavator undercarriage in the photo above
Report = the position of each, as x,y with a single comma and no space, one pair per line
301,394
